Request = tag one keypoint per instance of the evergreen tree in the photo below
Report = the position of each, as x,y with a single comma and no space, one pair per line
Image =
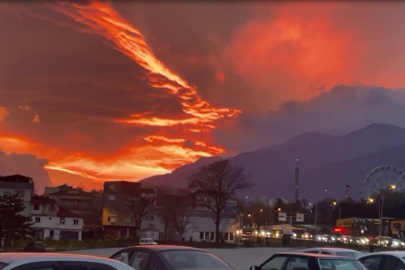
13,225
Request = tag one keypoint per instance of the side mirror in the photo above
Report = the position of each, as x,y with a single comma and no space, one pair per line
254,267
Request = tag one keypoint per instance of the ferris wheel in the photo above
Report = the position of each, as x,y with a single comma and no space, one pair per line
383,178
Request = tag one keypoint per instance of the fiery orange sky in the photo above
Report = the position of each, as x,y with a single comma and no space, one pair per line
126,90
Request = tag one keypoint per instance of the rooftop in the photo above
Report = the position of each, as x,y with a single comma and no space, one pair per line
16,179
42,200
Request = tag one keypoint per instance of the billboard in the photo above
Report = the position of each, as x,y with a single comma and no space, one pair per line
300,217
282,217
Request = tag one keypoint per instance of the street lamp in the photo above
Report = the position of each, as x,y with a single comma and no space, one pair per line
261,210
370,200
334,203
279,209
392,187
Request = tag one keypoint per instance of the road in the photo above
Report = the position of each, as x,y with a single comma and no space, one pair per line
240,258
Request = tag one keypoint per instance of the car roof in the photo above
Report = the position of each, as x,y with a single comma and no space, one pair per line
316,255
396,253
29,257
160,248
332,249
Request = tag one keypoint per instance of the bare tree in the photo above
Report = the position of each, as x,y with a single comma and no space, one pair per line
219,181
181,211
163,194
140,206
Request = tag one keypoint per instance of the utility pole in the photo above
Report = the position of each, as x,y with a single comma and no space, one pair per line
381,215
315,213
297,176
347,191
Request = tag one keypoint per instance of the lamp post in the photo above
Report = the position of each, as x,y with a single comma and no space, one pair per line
391,187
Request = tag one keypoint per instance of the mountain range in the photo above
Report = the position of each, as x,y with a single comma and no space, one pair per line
327,163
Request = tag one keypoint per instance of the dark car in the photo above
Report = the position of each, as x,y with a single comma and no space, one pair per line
392,260
161,257
306,261
35,246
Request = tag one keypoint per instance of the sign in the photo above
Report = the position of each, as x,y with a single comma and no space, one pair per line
282,217
300,217
285,231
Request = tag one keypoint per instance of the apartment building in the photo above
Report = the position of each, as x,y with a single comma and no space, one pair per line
87,205
117,219
21,185
54,221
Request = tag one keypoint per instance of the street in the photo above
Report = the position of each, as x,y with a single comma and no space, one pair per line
240,258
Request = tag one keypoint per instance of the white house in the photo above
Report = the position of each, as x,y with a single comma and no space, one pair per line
53,221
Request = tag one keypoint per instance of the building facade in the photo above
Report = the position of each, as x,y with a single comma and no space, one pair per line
21,185
87,205
53,221
117,219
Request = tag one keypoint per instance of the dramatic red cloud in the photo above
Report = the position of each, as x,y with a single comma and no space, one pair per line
294,51
157,153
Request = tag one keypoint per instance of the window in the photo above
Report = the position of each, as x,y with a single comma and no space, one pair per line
327,264
75,222
129,220
353,255
372,262
139,260
62,220
212,235
111,197
112,218
51,233
186,259
201,235
391,263
122,257
20,193
297,262
231,236
112,187
274,263
36,207
37,220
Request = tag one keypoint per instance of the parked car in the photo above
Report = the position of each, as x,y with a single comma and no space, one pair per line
163,257
343,252
35,246
387,260
307,236
147,241
308,261
24,261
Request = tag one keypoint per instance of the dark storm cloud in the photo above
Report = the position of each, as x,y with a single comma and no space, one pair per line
343,109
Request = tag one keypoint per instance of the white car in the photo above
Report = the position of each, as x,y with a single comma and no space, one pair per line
53,261
147,241
342,252
384,260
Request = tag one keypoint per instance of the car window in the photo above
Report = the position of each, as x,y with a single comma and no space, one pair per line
349,254
328,264
38,266
139,260
324,252
312,251
122,257
2,265
372,262
186,259
275,263
297,263
392,263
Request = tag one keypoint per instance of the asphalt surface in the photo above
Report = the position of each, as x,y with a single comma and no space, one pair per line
239,258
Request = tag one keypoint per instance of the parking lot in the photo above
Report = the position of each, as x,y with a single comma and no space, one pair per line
240,258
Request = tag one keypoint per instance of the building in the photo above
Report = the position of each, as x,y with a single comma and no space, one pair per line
53,221
18,184
87,205
202,220
117,219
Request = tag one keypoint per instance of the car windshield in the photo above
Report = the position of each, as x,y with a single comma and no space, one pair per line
190,259
2,265
349,254
328,264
